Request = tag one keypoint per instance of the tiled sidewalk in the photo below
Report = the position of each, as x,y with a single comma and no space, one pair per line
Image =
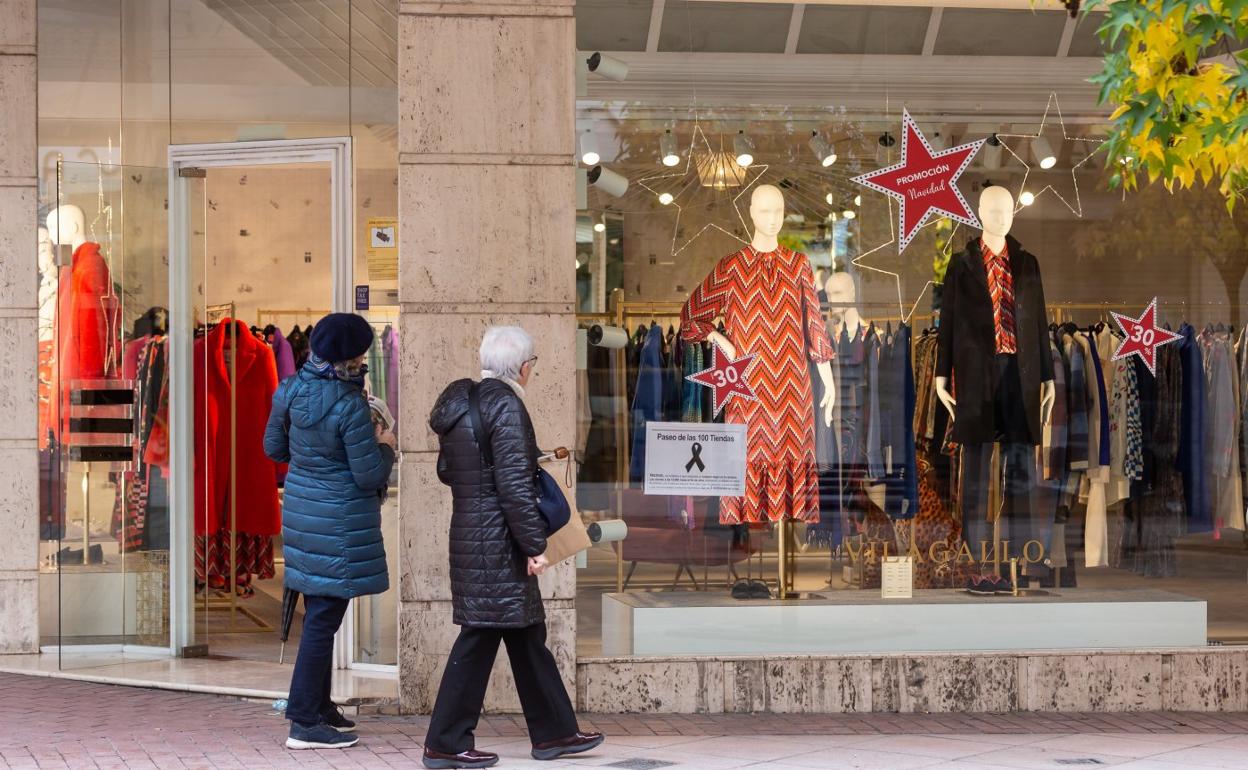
52,723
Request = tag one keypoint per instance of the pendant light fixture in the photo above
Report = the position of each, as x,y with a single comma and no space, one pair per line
1043,151
744,149
589,148
667,149
822,150
608,181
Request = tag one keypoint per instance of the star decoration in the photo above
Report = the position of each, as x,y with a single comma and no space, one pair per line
1143,337
925,182
728,378
1091,145
705,169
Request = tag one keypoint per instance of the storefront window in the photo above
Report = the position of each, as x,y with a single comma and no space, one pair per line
1114,518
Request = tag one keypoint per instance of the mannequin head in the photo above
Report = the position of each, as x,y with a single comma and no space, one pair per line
996,212
68,226
841,290
767,213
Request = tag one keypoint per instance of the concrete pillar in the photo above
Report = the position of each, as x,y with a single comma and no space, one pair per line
487,236
19,484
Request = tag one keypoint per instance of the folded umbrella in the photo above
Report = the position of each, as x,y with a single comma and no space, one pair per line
290,600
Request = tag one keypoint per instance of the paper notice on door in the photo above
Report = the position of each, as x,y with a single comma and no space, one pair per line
692,458
383,249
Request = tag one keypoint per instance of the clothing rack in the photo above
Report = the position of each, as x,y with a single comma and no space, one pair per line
220,314
265,316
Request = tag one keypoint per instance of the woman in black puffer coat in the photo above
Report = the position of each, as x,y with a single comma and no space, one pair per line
497,541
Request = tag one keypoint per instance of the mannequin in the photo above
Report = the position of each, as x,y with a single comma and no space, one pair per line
767,214
68,226
996,214
766,295
843,299
994,342
47,285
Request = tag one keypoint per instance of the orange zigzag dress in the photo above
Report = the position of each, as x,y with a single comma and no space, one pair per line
770,308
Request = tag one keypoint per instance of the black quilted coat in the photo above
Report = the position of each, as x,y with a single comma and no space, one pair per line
495,525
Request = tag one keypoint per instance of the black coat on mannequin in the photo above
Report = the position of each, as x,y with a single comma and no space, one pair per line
967,341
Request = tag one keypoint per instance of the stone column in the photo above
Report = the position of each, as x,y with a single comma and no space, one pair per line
19,487
486,236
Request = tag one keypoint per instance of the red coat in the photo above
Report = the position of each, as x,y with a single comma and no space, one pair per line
258,512
88,318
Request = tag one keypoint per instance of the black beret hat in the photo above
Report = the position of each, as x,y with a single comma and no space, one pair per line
341,337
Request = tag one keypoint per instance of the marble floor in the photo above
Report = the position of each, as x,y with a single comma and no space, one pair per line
238,677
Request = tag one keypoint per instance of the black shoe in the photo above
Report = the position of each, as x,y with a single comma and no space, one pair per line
337,720
436,760
320,736
759,590
574,744
741,590
982,585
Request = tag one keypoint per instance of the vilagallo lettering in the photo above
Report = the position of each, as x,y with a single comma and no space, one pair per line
942,553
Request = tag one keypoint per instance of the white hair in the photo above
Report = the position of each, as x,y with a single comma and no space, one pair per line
504,349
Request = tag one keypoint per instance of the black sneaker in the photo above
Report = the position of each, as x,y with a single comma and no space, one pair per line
337,720
320,736
982,585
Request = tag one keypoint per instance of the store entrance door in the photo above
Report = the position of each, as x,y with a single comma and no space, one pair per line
259,251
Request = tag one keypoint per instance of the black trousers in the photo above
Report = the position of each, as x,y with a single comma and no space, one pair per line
314,668
547,708
1018,471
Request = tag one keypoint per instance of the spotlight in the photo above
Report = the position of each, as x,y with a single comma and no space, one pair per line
1043,151
991,154
858,200
887,140
608,181
822,150
1026,198
994,140
667,149
828,198
600,227
849,213
744,149
589,149
937,141
608,67
666,198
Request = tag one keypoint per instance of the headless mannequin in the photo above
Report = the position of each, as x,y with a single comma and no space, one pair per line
48,280
767,214
843,300
996,214
68,226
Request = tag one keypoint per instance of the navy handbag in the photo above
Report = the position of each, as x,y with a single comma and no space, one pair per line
551,503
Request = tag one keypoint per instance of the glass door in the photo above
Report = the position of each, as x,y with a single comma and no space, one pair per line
103,414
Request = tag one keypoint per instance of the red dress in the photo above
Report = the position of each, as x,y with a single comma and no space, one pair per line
770,308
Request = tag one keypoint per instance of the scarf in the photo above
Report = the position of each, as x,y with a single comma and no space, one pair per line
326,370
486,374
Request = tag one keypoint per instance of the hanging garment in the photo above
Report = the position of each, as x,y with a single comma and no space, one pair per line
770,310
1192,434
299,346
691,395
89,318
648,401
377,370
1155,514
283,354
1221,445
901,479
257,511
1096,480
390,344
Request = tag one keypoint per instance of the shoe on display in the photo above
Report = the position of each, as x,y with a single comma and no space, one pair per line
337,720
320,736
436,760
573,744
982,585
759,590
741,590
1001,586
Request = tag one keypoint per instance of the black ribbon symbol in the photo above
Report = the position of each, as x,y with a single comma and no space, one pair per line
697,459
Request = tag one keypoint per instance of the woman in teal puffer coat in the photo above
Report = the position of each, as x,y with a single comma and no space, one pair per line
340,465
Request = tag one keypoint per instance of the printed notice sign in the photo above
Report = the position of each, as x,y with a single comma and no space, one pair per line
694,458
383,249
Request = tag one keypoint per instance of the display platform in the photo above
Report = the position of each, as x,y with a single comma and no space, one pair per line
695,623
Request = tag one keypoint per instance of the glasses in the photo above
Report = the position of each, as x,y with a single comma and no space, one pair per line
531,361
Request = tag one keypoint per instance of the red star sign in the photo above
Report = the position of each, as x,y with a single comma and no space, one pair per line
1143,336
728,378
925,182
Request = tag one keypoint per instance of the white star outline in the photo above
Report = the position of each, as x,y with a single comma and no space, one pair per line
908,123
747,185
1054,105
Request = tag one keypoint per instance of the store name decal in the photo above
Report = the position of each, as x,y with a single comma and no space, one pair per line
940,552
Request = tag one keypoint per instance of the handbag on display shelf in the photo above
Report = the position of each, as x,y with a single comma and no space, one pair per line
571,538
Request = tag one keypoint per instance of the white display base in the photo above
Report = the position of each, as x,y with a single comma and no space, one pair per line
694,623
